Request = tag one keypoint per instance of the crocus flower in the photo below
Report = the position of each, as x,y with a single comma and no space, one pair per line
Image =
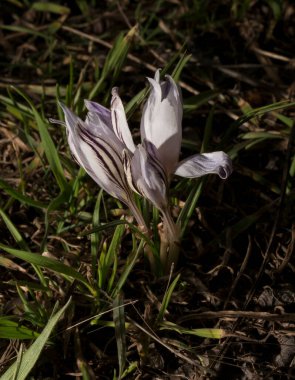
161,125
98,145
103,146
156,159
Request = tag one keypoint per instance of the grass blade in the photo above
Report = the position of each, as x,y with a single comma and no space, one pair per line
128,267
46,262
13,230
10,329
95,237
48,145
196,191
190,205
114,61
212,333
109,258
20,197
31,356
166,299
256,113
50,7
119,322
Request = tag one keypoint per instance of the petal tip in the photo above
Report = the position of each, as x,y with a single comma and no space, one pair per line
224,172
226,168
62,105
157,75
115,91
87,103
156,79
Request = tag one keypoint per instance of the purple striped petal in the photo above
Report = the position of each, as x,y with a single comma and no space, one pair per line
97,155
147,179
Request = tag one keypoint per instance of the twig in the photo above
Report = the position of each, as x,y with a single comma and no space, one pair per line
238,314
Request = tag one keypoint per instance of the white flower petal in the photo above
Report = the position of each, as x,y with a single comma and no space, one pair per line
148,181
206,163
97,108
155,161
161,120
119,121
98,115
71,120
97,155
127,159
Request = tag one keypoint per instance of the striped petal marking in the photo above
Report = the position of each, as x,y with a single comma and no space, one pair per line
98,155
148,178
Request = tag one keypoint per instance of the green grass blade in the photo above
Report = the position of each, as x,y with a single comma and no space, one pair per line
23,29
131,367
115,223
104,226
110,256
96,235
175,61
212,333
263,135
135,102
18,360
30,357
284,119
190,205
184,58
48,145
13,230
196,191
196,101
292,167
113,274
256,113
10,329
208,333
20,197
119,322
46,262
114,62
127,269
50,7
55,204
166,299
